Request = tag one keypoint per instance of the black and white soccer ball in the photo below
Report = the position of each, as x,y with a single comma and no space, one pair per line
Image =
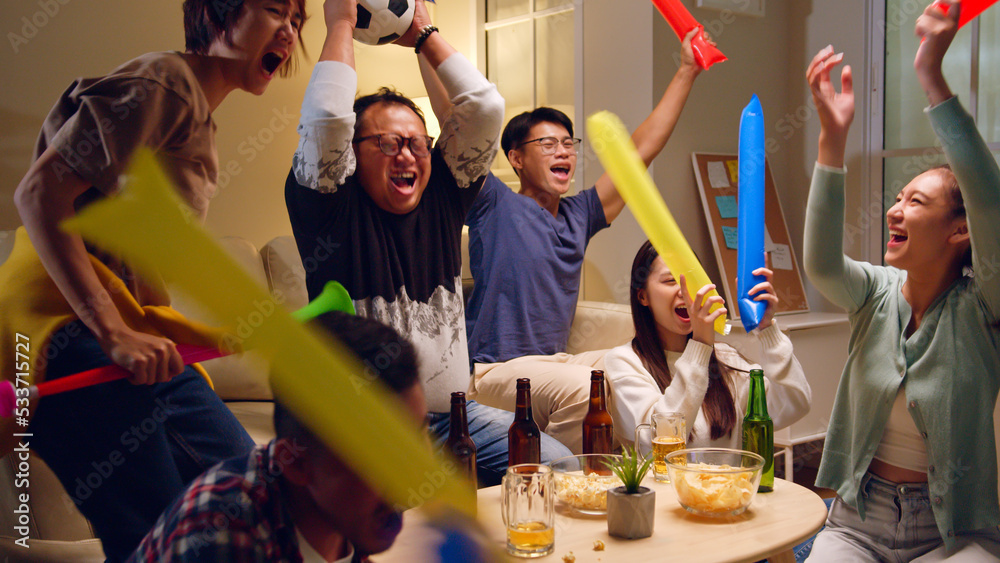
382,21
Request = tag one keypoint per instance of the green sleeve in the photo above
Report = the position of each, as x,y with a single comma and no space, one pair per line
979,180
845,282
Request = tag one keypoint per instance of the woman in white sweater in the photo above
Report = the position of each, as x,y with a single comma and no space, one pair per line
674,364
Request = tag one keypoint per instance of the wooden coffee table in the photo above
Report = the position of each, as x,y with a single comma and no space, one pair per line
773,524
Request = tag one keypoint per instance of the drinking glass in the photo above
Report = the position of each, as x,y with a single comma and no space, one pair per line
669,434
527,504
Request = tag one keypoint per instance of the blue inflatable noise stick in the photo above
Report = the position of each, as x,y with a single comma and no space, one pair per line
750,218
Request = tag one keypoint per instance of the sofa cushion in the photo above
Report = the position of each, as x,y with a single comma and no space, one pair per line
257,417
241,377
285,273
599,325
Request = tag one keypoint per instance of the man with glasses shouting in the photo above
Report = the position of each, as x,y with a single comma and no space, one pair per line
377,206
526,253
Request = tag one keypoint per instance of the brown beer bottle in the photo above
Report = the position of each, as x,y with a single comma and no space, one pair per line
459,443
598,429
598,432
524,440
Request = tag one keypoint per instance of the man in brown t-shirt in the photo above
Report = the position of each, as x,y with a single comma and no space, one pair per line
124,450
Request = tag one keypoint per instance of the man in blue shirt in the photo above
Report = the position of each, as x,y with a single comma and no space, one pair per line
526,253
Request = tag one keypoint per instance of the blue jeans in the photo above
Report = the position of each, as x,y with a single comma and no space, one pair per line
899,526
488,428
123,452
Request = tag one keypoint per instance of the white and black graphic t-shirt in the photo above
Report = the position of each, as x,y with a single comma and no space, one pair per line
404,270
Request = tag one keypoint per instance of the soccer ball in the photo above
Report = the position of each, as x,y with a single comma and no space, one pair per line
382,21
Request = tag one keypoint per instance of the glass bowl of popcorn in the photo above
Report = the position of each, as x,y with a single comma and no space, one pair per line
582,482
714,482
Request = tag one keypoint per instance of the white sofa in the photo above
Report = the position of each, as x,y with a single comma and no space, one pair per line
59,533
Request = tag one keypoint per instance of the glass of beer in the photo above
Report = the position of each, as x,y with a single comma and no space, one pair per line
527,504
669,434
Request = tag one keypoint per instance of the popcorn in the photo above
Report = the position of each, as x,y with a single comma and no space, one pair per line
710,492
585,492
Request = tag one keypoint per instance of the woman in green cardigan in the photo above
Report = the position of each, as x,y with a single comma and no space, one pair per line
910,448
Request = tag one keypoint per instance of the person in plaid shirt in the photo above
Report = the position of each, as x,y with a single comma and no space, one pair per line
292,500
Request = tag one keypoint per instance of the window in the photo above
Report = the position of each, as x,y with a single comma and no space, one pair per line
530,56
972,68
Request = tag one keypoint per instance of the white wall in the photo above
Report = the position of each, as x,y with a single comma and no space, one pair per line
256,134
629,57
767,57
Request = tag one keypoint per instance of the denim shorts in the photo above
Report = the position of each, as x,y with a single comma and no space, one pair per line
899,526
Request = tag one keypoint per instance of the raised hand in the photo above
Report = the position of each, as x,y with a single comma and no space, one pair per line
702,319
337,11
764,291
341,17
688,61
421,18
835,109
936,29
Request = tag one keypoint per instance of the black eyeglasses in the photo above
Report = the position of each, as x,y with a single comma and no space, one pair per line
390,144
549,144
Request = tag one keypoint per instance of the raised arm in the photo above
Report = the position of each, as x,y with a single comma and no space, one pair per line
471,130
652,134
436,92
834,274
440,103
324,158
44,199
972,162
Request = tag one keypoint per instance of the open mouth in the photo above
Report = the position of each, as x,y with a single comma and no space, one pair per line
896,237
682,313
561,171
271,62
404,180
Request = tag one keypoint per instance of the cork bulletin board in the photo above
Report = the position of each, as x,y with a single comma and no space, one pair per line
717,176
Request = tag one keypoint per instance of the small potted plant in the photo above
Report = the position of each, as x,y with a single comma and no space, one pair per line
630,507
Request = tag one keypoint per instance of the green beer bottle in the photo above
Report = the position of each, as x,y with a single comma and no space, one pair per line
758,430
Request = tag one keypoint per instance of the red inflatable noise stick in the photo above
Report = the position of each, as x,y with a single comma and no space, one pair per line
970,9
8,396
333,298
682,22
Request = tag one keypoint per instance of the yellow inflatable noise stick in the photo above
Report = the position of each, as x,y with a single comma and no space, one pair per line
318,379
620,158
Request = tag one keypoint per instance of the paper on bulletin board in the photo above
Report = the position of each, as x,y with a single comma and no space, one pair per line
728,208
730,234
734,170
717,175
723,233
768,243
781,257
